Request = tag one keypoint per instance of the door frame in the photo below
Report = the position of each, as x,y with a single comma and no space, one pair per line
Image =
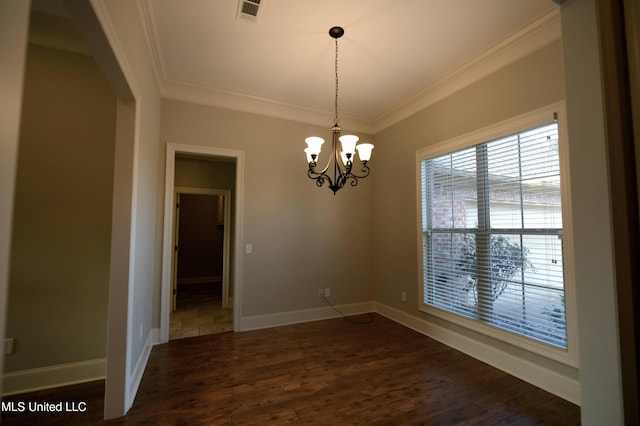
226,246
167,234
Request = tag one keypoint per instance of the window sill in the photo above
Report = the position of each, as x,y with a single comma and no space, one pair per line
565,356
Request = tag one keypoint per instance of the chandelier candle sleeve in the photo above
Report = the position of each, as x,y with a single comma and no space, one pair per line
339,168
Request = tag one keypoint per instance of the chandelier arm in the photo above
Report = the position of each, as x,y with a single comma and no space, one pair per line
314,174
338,168
355,178
320,178
336,156
339,173
365,170
312,169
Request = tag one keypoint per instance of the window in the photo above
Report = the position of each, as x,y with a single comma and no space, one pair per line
492,234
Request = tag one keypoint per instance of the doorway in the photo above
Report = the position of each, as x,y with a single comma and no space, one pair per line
200,299
197,169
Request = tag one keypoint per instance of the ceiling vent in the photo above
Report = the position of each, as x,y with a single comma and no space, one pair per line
248,10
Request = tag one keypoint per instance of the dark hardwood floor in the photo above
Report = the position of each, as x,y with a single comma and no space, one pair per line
323,373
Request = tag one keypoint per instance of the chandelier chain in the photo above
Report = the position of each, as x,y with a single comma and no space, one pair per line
336,69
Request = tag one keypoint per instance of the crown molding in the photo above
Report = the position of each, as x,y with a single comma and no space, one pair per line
180,90
519,44
148,18
539,33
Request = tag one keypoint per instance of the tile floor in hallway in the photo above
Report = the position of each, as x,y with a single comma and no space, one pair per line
199,311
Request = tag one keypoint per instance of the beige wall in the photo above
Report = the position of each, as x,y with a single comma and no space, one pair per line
200,173
57,305
530,83
134,299
14,21
304,238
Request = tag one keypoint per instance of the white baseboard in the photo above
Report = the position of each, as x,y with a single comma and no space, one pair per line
51,377
294,317
555,383
153,338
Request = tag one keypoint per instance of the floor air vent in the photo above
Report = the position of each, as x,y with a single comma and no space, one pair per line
248,10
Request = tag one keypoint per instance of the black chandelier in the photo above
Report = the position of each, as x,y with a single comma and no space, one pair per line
342,161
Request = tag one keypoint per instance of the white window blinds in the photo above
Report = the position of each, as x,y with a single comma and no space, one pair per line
492,234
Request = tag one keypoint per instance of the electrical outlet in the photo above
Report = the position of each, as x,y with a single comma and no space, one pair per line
8,345
327,292
320,292
403,295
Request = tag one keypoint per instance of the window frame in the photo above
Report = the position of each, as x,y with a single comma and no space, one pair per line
502,129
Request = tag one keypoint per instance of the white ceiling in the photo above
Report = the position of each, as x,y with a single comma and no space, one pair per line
396,57
391,50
